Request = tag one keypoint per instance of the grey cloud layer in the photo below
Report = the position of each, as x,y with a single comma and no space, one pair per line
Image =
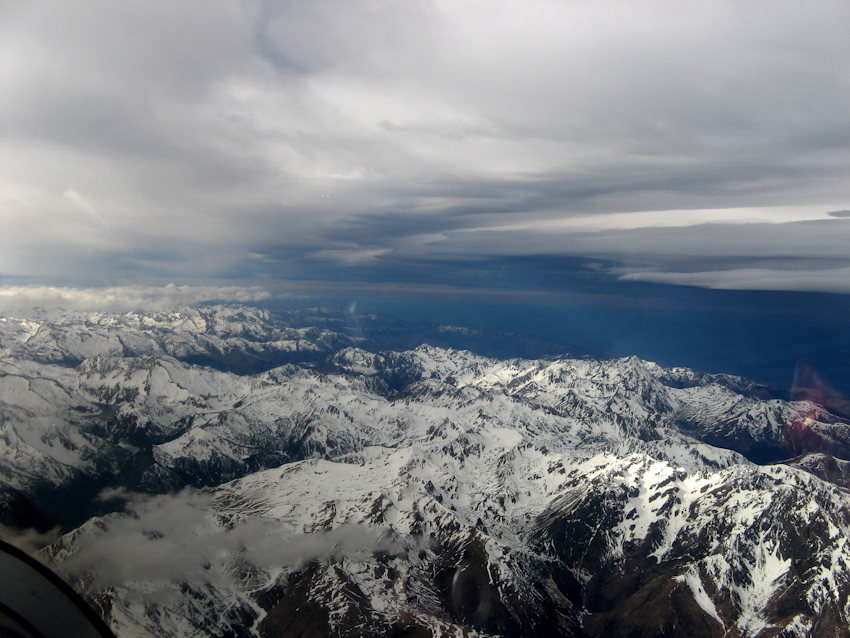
178,139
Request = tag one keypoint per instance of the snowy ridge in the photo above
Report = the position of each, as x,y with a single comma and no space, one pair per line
431,491
740,538
229,337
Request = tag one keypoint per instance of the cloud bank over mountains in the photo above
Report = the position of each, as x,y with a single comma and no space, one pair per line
176,536
701,142
125,298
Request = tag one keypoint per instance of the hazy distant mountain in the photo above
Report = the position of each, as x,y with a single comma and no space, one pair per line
228,471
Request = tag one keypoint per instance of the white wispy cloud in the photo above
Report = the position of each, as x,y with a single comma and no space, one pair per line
30,540
83,204
835,280
355,256
667,219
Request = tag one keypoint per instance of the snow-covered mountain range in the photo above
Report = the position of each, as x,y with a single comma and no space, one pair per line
229,471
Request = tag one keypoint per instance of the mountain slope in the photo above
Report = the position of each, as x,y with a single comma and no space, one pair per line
424,492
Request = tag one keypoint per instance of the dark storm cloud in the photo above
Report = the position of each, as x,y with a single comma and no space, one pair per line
266,139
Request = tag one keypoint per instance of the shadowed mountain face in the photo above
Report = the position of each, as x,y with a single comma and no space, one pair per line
229,471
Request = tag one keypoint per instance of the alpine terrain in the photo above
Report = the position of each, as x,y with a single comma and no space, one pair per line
230,471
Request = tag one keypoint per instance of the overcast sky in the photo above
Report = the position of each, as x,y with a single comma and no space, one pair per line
695,143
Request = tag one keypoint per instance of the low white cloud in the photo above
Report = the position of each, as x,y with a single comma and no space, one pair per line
183,536
124,298
30,540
